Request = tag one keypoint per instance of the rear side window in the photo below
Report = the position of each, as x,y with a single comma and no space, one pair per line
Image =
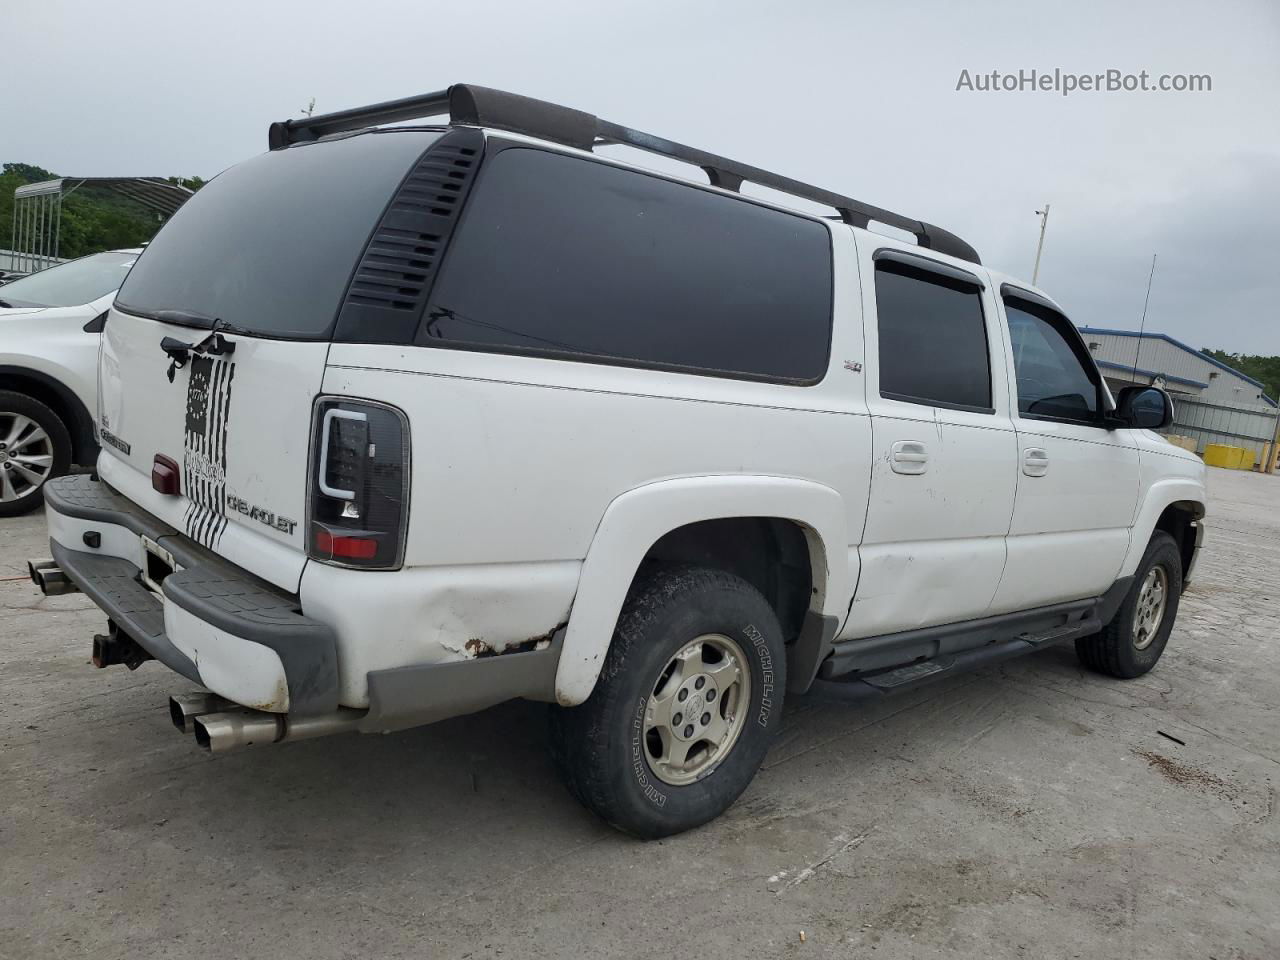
563,256
270,244
933,339
1053,381
71,284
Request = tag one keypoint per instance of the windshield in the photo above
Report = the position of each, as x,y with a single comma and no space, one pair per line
70,284
269,246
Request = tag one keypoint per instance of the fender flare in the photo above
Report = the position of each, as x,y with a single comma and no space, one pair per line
1159,497
634,521
84,443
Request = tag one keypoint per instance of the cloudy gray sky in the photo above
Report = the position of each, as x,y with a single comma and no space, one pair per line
857,96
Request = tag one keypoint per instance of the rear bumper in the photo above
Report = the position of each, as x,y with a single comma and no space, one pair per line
250,642
213,623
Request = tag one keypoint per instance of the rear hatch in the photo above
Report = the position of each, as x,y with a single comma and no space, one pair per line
263,253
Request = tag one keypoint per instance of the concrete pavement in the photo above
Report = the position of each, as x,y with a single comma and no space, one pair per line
1031,810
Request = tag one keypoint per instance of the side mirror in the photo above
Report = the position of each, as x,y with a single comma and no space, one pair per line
1144,408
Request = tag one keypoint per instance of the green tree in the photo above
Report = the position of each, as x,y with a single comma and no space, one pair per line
29,172
191,183
92,220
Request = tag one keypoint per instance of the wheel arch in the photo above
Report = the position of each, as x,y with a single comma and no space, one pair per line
1174,506
59,398
696,519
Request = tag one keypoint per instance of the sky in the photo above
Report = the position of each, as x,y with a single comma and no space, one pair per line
859,97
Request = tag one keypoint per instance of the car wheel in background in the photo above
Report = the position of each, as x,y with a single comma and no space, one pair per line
34,446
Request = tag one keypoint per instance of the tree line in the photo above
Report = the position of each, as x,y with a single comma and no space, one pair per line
92,220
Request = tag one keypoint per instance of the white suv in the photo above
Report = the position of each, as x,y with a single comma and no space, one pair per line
49,325
455,414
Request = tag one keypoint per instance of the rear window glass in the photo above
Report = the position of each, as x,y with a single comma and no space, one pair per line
70,284
563,256
270,244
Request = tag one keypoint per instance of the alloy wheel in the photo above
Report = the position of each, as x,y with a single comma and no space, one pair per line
697,709
1149,613
26,456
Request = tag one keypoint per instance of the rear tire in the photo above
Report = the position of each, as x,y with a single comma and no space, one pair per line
688,701
34,447
1131,644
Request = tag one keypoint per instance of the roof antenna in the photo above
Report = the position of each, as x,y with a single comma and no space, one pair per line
1143,326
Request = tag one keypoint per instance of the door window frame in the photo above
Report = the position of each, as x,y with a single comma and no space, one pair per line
1058,320
946,271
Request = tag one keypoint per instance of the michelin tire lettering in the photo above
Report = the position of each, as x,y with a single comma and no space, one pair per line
638,762
766,668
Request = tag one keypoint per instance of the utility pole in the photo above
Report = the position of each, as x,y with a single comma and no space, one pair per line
1270,465
1044,222
311,107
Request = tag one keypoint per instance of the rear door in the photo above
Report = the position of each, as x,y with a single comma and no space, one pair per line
266,250
1077,480
944,451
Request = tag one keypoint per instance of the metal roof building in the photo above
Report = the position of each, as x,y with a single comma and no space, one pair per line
1213,403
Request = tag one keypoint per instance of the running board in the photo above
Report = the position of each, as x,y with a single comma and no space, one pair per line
887,682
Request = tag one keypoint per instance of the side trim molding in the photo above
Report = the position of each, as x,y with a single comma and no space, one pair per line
1033,627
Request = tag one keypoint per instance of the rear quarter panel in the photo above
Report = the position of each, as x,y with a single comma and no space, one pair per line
517,460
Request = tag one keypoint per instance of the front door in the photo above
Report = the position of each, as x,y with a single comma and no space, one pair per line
945,453
1077,480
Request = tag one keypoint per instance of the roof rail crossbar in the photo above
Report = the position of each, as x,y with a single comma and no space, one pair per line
470,105
285,132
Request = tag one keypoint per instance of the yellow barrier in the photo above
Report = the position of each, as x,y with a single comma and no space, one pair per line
1217,454
1233,458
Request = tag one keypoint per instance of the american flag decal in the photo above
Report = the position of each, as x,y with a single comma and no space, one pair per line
204,461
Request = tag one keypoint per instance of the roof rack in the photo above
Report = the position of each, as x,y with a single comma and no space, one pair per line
470,105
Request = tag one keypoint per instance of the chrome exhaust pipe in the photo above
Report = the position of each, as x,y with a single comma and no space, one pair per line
222,732
48,576
185,707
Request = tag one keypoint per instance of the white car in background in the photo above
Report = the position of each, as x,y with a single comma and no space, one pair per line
49,326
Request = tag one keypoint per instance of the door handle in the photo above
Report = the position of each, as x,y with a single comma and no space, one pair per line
1035,461
909,457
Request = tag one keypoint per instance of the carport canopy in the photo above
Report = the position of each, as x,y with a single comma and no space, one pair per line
37,211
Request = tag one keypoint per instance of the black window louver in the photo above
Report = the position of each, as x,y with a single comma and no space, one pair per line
386,295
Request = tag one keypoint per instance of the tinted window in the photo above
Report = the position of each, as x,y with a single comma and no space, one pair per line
561,255
1052,380
933,339
270,244
71,284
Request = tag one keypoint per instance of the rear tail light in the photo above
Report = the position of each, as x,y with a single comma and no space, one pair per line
359,484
